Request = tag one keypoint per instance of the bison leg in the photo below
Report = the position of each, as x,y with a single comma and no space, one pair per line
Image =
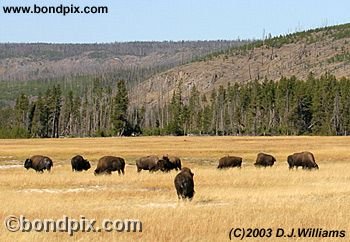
178,195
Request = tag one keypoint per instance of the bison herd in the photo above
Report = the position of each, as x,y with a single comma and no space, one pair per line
153,163
183,181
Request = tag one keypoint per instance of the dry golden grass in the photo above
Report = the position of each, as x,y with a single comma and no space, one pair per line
248,197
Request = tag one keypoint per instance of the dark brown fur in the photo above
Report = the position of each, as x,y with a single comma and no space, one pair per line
147,163
230,161
79,163
304,159
176,161
39,163
184,184
107,164
264,160
165,165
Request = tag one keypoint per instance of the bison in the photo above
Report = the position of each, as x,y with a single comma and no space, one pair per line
304,159
80,164
39,163
264,160
149,163
230,161
165,165
107,164
176,162
184,184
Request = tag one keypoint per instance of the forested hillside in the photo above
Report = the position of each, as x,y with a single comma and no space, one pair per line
24,62
315,51
297,84
321,53
31,68
290,106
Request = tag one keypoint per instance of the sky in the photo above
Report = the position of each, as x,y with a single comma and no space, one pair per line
158,20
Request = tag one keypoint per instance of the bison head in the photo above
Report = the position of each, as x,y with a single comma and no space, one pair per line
87,165
162,165
28,163
97,172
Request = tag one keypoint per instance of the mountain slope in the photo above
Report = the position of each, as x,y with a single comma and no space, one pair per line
317,51
31,68
23,62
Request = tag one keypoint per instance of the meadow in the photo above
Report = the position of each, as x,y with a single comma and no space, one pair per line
247,198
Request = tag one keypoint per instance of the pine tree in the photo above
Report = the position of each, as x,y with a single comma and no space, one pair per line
22,109
68,113
176,107
56,112
194,109
121,102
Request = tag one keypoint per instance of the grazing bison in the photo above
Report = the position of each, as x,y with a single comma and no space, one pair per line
230,161
165,165
107,164
184,184
38,163
176,162
264,160
147,163
304,159
80,164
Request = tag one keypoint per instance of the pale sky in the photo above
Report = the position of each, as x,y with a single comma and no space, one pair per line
146,20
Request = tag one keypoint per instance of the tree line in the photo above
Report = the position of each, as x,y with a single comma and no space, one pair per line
315,106
101,111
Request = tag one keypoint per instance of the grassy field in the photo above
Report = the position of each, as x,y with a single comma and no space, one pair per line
247,197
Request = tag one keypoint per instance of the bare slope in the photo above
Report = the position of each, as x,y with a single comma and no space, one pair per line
317,51
23,62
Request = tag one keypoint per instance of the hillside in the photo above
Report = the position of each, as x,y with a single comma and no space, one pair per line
286,85
317,51
23,62
33,67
